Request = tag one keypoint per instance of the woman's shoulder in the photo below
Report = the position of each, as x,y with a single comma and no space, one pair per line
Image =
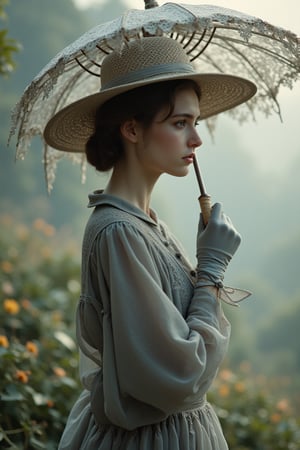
110,223
110,217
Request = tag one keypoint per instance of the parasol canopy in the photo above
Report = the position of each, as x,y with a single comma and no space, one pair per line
217,40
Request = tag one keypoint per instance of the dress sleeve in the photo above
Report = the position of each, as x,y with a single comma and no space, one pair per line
155,362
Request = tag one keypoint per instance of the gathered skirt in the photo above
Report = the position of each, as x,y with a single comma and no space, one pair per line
197,429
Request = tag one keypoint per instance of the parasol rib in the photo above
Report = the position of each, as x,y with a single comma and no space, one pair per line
206,45
268,90
87,70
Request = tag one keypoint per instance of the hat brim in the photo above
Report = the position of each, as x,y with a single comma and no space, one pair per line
71,127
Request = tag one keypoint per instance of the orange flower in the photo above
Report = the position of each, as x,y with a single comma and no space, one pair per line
32,348
11,306
224,390
275,418
44,227
22,376
226,375
6,266
25,303
3,341
59,371
283,405
50,403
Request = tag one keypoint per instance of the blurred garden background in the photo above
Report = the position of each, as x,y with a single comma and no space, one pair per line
257,392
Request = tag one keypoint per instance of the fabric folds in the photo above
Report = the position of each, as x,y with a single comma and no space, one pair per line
151,342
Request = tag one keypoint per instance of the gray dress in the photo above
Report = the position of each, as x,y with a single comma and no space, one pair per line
150,340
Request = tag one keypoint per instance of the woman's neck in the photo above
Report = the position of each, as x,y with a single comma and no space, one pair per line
132,186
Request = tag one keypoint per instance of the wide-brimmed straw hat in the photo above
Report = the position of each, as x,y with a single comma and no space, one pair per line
141,62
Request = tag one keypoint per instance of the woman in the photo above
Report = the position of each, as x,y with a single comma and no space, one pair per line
150,328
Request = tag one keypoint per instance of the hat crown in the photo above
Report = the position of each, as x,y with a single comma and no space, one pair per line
142,57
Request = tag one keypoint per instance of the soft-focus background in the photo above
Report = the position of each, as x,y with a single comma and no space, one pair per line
252,169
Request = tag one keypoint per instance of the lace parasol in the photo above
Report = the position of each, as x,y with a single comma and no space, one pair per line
216,39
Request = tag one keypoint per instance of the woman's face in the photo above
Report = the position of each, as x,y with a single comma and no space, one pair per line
168,145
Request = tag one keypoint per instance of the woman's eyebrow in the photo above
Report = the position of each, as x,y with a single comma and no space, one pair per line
187,115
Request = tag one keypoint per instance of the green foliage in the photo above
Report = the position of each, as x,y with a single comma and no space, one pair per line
38,356
8,46
252,417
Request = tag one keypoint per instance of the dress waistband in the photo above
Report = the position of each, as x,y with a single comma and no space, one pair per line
193,406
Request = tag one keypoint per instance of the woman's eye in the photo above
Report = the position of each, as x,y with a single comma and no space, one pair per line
180,123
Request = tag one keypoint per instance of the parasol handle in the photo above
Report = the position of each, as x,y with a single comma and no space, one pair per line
204,199
205,206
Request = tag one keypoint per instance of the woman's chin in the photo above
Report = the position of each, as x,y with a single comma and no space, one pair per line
182,172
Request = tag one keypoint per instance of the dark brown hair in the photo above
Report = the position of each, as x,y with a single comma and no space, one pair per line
104,148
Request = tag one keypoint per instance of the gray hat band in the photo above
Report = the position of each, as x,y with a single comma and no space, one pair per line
148,72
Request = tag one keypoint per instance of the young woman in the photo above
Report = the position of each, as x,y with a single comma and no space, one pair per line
150,327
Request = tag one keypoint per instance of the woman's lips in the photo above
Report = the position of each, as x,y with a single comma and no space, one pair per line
189,158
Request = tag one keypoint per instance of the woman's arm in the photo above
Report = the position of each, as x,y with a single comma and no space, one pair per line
152,356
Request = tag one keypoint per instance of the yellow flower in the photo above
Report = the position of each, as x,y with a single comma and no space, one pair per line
59,371
32,348
11,306
3,341
22,376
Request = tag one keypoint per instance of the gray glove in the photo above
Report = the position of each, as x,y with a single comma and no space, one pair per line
216,244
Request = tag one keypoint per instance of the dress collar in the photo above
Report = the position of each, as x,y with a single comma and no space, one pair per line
97,198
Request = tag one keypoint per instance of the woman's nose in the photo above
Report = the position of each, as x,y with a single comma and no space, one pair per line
195,140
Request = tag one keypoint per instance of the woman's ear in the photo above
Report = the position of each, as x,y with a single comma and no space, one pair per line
129,130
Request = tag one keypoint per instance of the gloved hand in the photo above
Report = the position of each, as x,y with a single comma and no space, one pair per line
216,244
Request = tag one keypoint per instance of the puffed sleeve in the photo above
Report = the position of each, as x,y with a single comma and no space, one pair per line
155,362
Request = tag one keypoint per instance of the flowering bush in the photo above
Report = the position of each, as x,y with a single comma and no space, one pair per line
38,357
39,288
252,416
